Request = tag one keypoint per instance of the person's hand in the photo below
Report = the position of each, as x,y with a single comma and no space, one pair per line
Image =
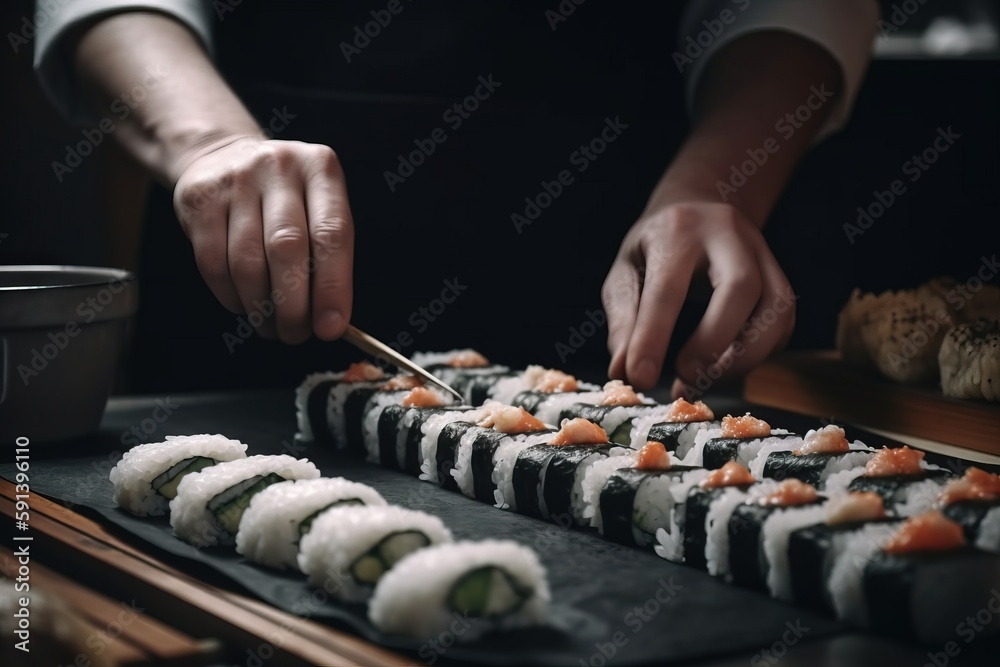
751,312
272,232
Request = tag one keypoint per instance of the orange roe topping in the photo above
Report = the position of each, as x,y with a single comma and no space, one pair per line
422,397
653,456
744,427
894,461
579,432
362,371
468,359
731,474
618,393
400,382
853,507
682,411
976,484
827,440
508,419
930,531
553,381
791,492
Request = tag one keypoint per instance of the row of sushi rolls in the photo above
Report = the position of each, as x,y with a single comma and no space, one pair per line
877,536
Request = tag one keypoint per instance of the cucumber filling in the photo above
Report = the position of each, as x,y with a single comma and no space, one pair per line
623,434
488,591
307,522
229,505
370,567
166,483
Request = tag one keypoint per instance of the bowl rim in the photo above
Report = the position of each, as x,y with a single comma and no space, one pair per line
109,274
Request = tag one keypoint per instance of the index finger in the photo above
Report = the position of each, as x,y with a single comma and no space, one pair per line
331,241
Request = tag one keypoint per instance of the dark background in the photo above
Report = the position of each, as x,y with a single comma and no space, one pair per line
452,218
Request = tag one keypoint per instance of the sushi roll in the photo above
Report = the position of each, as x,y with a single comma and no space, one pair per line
619,404
628,498
907,483
685,539
371,435
738,439
759,531
973,502
281,514
532,379
146,478
210,504
459,368
821,453
431,469
321,398
392,435
348,549
500,426
495,585
895,587
675,426
549,405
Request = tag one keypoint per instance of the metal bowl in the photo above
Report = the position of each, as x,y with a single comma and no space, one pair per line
63,330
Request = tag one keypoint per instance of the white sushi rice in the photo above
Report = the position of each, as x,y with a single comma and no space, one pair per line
302,401
412,599
746,452
920,497
989,531
373,410
837,483
504,459
851,554
717,525
336,401
595,479
670,540
339,537
462,472
578,504
776,531
858,456
639,435
552,406
134,474
432,431
190,517
269,529
622,413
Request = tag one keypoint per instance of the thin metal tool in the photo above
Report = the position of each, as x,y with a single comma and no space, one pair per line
377,348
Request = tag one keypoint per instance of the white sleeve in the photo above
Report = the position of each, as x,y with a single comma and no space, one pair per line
61,17
845,28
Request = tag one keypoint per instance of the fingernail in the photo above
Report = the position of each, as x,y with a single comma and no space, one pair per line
329,324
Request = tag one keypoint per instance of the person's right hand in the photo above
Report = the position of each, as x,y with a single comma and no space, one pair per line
271,228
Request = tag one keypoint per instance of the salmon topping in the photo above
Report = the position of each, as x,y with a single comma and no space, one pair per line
579,432
618,393
682,411
731,474
930,531
400,382
508,419
853,507
422,397
653,456
468,359
552,381
975,484
827,440
791,492
744,427
888,462
362,371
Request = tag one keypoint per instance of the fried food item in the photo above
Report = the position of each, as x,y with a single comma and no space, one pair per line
970,361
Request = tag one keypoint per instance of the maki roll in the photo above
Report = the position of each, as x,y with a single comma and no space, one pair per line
549,405
321,403
146,478
459,368
431,469
375,434
396,442
737,439
281,514
821,453
900,475
675,426
618,405
759,532
210,504
533,379
348,549
497,585
973,502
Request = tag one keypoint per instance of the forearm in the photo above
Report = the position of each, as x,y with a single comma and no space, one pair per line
184,106
747,101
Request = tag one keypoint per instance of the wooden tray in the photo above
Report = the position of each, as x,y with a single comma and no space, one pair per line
818,383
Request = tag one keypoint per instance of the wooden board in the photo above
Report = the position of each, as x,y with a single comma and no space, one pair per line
821,385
